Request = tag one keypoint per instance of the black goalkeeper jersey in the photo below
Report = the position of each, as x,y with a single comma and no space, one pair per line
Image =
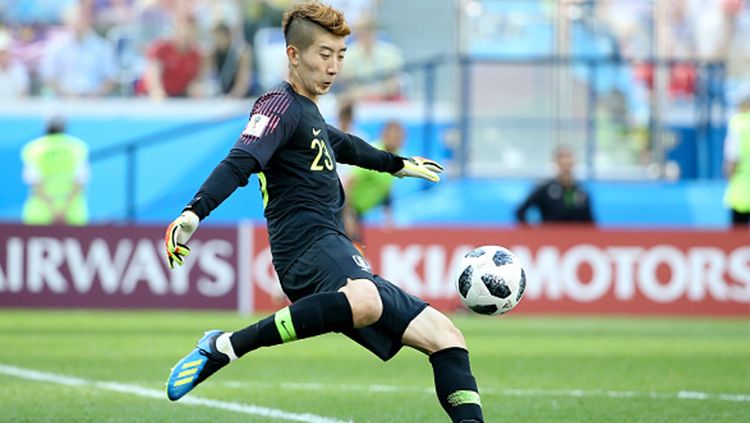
297,151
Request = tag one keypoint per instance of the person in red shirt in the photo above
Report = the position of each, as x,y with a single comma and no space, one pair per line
175,66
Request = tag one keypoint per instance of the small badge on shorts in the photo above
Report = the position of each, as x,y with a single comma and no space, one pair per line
362,263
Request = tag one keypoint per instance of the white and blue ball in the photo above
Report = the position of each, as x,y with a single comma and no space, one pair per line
490,280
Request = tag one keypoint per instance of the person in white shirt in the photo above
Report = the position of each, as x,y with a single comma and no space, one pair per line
79,63
14,78
374,73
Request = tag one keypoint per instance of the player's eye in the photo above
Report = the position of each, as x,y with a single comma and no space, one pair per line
325,56
341,57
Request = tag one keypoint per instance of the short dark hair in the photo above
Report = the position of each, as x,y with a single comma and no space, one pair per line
56,125
223,29
300,21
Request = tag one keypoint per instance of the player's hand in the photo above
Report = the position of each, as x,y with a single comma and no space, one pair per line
419,167
177,236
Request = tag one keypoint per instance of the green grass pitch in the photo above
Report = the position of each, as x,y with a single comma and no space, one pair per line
529,369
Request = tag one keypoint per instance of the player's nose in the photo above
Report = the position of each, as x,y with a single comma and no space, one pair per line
333,68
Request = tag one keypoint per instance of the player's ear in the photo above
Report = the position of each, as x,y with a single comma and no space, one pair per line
292,54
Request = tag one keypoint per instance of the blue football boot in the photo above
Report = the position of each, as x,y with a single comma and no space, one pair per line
195,367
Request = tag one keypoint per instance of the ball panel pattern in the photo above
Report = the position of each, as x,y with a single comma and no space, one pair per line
484,308
521,286
464,281
477,252
496,285
501,258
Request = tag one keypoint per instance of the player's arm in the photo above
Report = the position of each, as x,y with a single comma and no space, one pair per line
588,214
231,173
267,130
531,200
353,150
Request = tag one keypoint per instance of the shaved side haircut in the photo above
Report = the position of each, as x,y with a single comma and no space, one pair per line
302,21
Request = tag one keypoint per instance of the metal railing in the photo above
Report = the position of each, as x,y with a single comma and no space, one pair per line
708,102
132,147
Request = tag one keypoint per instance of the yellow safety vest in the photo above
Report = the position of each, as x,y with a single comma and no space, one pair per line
738,191
55,160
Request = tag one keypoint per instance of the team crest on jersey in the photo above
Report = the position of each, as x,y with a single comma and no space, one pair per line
362,263
256,125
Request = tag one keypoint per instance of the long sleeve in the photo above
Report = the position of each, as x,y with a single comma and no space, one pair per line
355,151
231,173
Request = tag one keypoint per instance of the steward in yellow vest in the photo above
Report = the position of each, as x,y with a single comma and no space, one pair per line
737,160
56,169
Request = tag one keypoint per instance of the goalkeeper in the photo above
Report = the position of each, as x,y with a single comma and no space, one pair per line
331,286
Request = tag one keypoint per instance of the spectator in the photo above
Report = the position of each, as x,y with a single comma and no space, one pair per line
355,10
210,14
14,79
374,66
560,199
231,63
345,120
154,19
56,169
367,189
79,63
737,164
109,13
259,14
175,65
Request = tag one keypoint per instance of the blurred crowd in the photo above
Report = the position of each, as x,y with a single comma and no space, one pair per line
166,48
681,30
234,48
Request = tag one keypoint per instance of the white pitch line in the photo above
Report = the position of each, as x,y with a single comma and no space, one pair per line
140,391
577,393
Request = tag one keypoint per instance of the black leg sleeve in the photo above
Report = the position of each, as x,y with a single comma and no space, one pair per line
310,316
455,386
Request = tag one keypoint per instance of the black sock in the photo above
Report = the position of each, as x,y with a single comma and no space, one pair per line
455,386
311,316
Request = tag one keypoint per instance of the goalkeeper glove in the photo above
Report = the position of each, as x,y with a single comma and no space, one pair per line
419,167
177,236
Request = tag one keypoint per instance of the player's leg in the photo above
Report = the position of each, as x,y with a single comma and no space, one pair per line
407,320
338,305
310,316
434,334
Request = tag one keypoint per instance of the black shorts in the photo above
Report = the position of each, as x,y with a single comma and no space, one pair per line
325,267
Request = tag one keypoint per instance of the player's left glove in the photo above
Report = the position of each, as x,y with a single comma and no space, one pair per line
177,236
419,167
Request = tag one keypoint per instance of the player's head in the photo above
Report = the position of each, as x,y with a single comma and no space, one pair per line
77,20
346,115
393,136
185,29
745,103
222,37
56,124
565,161
315,45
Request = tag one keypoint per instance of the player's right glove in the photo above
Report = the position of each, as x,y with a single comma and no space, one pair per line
419,167
177,236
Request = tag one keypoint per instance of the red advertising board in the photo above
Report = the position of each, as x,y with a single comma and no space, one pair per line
569,269
115,267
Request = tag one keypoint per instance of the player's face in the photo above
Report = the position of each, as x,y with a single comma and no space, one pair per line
393,137
320,63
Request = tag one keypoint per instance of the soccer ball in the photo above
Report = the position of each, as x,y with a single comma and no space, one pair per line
490,280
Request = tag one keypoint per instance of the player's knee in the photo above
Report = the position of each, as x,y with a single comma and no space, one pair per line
364,298
453,337
448,335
